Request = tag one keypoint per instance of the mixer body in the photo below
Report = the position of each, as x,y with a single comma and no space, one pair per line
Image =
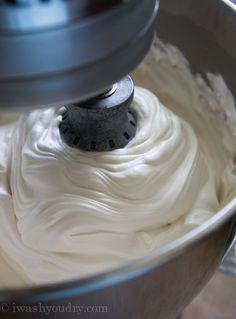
59,52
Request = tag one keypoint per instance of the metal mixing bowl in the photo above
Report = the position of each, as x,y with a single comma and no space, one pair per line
161,284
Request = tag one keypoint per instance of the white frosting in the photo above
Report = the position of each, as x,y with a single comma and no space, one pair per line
67,213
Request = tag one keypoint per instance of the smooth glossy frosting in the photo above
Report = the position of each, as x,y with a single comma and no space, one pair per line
66,213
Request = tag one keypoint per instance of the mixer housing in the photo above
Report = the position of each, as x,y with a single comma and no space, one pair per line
60,52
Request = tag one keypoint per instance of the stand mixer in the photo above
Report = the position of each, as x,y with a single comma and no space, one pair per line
72,53
78,54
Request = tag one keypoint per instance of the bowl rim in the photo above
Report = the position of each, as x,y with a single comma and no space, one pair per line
230,3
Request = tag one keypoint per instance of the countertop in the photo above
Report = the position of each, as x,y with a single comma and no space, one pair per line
216,301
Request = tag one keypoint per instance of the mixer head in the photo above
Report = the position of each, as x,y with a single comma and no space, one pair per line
59,52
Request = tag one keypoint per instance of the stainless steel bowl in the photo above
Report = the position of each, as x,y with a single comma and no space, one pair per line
161,284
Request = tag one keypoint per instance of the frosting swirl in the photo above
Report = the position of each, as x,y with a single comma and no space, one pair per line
70,213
